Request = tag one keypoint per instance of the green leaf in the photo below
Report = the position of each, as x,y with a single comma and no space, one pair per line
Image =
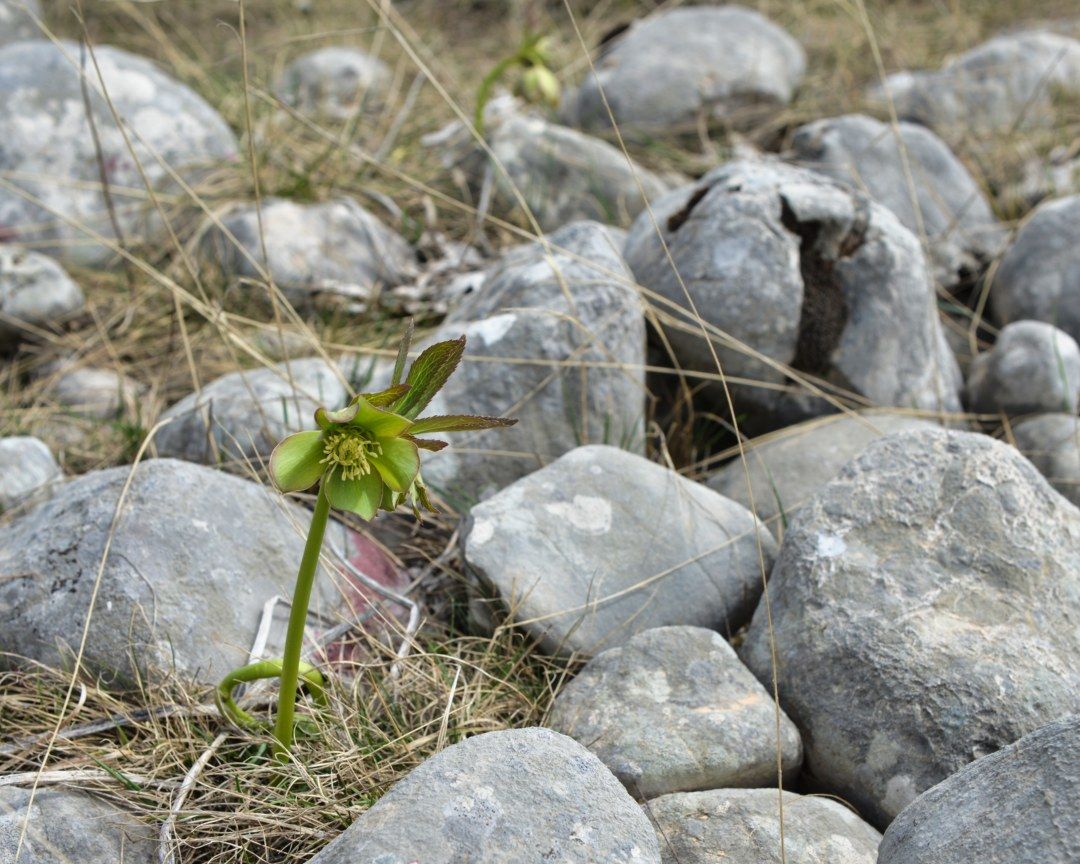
296,463
428,374
386,397
402,353
380,423
398,464
457,423
361,495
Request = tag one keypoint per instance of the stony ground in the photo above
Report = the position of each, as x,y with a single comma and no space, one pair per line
782,559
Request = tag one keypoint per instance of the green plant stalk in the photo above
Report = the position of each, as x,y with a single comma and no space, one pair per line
294,637
255,672
484,93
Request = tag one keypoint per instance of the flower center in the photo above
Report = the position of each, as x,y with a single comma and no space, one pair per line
351,450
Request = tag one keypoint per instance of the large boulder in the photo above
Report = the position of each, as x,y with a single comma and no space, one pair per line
924,607
556,338
1052,443
26,467
562,175
1012,81
1039,277
742,826
788,466
35,293
926,186
193,557
332,254
1032,367
603,544
48,151
666,72
241,416
17,20
336,82
798,272
524,795
1020,805
675,710
63,826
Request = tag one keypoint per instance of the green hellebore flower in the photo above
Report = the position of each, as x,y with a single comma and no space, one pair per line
367,454
358,452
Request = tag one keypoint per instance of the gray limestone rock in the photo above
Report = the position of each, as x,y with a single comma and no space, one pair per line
729,64
742,826
526,796
1020,805
66,826
91,391
1033,367
941,199
925,613
194,557
675,710
242,416
336,82
556,338
334,254
26,467
603,544
35,292
789,466
562,174
1039,277
810,274
1011,81
17,20
47,148
1052,443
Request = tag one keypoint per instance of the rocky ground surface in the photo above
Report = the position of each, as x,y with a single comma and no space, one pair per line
782,559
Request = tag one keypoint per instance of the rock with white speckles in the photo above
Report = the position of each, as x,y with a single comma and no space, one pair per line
1052,443
1011,81
675,710
1033,367
336,82
925,612
603,544
742,826
931,192
807,274
26,467
48,151
64,826
35,292
333,254
788,466
525,796
194,557
669,71
17,20
556,338
241,416
1020,805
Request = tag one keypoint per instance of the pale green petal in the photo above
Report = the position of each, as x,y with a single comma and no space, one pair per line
361,496
398,463
326,419
296,463
381,424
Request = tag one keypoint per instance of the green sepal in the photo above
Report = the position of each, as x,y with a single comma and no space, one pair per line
296,463
361,495
398,463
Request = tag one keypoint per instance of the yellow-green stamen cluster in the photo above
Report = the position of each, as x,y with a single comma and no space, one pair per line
351,450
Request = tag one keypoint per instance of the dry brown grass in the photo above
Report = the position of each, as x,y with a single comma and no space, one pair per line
243,807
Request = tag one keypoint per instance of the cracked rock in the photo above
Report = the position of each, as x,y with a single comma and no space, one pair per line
924,606
807,272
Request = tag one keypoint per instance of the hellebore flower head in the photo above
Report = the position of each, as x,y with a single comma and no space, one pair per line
367,454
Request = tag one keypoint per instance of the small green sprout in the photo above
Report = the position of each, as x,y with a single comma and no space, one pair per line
537,84
365,458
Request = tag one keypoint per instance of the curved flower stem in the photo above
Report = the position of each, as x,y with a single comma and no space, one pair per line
294,637
257,671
